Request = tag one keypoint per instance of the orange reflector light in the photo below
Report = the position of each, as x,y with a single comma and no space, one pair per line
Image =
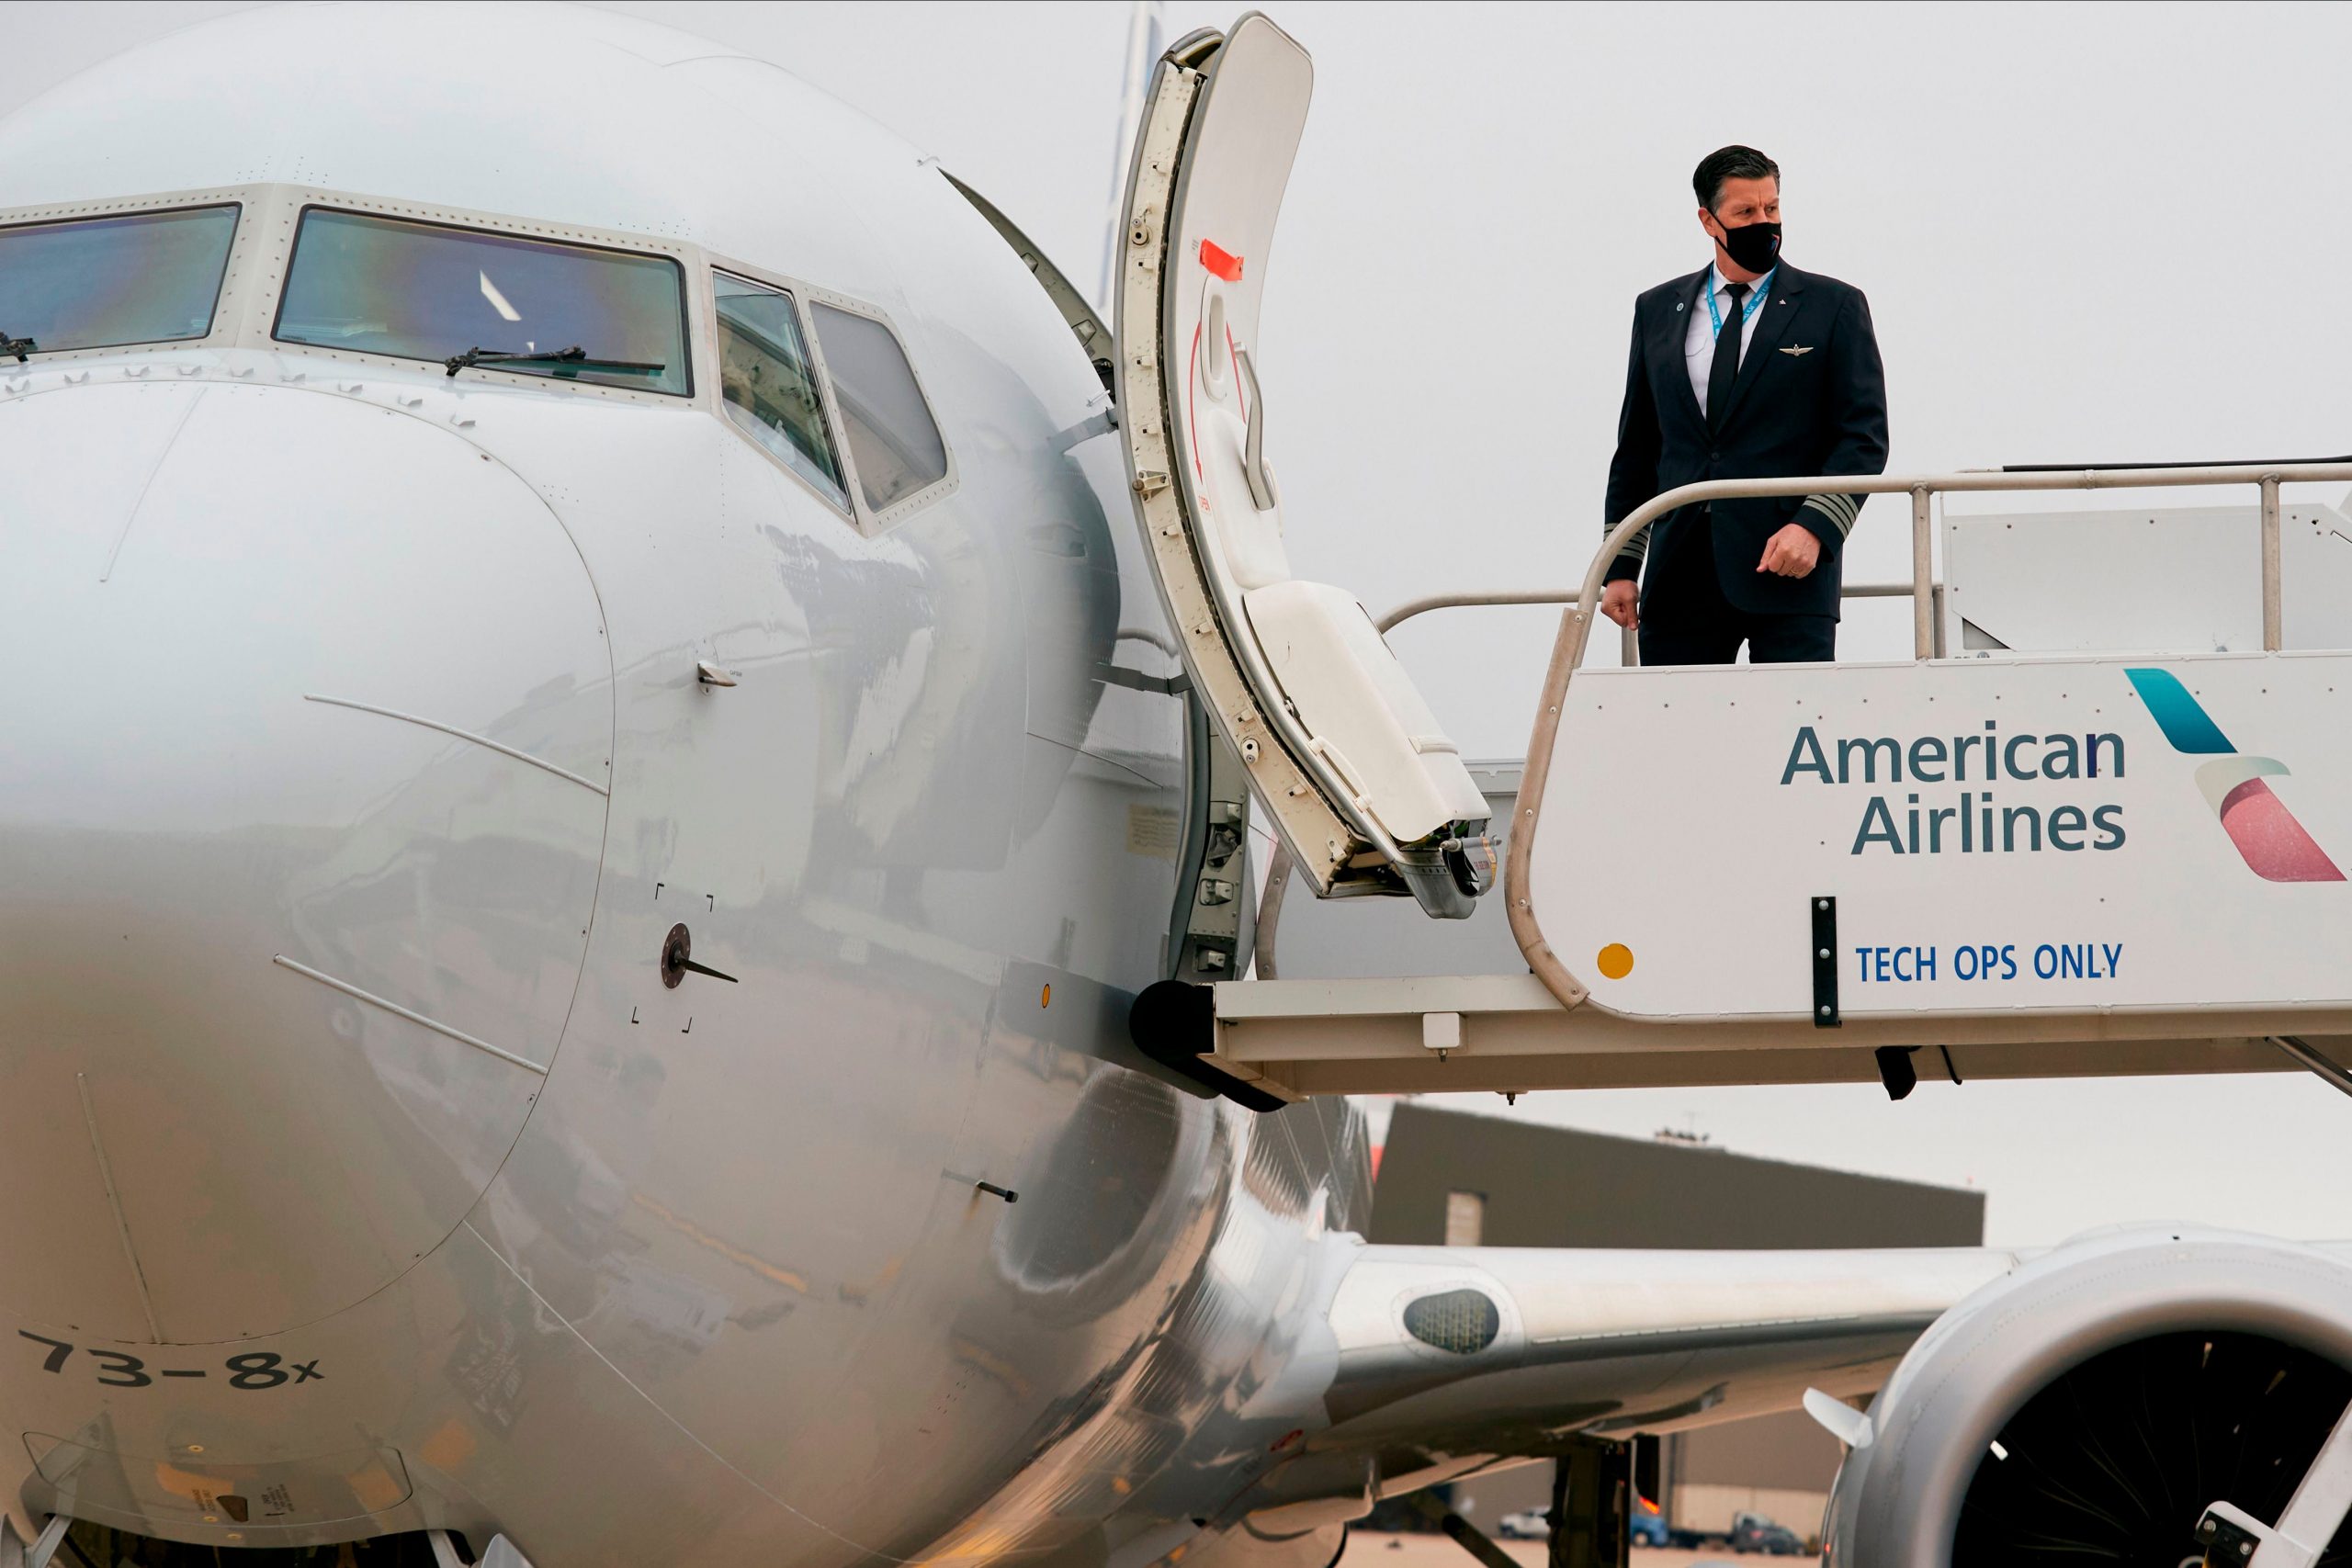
1225,265
1046,996
1616,960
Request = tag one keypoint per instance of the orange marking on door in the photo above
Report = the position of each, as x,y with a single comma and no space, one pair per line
1223,263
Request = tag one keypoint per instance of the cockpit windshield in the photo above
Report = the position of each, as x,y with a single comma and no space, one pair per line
422,291
106,282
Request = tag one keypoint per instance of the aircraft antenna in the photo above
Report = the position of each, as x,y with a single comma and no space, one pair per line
1146,38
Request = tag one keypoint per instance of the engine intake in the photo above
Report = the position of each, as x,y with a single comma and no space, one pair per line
2092,1406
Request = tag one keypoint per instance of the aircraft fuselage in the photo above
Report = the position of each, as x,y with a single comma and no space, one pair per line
378,1176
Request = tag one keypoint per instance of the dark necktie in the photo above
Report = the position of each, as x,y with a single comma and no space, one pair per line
1726,369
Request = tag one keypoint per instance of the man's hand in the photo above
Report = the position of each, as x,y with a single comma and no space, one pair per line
1621,601
1792,552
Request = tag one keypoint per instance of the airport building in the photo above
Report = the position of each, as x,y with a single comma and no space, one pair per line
1460,1179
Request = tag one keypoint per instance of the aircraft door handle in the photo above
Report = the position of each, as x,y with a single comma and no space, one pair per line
1254,459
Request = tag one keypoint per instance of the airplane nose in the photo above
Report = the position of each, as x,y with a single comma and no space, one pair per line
305,728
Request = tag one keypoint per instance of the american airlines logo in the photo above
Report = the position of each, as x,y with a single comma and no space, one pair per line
2272,842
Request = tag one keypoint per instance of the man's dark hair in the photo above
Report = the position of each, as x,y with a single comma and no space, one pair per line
1733,163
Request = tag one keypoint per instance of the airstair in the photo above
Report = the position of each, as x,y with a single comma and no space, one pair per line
1343,753
2099,824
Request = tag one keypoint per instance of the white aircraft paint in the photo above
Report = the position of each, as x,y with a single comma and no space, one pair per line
365,1175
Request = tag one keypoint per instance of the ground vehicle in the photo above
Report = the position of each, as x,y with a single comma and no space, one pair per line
1647,1525
1753,1532
1528,1524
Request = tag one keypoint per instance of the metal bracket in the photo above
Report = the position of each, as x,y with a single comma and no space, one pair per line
1175,1023
2327,1071
1896,1070
1442,1032
44,1547
2224,1538
1102,422
1216,929
1824,912
1467,1536
2310,1520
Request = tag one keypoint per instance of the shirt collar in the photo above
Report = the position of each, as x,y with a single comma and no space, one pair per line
1717,282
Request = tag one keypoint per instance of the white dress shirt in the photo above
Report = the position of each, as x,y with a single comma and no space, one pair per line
1698,343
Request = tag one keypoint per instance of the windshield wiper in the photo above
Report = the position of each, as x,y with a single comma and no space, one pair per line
18,346
575,354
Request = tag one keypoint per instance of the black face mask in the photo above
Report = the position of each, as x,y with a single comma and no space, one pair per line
1754,246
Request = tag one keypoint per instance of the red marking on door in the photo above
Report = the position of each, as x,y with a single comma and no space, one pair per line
1221,262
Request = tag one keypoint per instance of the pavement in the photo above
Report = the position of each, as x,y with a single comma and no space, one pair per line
1368,1551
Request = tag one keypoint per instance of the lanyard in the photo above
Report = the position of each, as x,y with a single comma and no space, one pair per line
1755,301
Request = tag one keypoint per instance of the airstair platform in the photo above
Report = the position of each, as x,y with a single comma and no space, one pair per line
1997,861
1508,1034
2100,823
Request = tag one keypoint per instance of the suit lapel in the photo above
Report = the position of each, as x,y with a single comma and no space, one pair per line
1781,306
1670,334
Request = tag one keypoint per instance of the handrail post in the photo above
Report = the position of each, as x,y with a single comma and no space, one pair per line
1629,647
1923,586
2274,614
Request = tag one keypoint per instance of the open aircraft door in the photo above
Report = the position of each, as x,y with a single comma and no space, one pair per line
1367,792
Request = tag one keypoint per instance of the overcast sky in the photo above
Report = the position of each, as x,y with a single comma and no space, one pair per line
2087,234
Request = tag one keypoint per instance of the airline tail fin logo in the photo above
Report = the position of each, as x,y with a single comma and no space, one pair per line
2273,844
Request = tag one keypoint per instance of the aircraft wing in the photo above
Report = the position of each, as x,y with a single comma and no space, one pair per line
1441,1361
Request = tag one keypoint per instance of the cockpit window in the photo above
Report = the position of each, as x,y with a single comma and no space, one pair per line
768,387
893,441
422,291
106,282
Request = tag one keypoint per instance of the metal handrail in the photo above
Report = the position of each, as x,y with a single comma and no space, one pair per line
1920,487
1575,627
1278,865
1474,598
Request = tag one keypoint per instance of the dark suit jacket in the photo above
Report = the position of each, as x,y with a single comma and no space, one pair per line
1821,411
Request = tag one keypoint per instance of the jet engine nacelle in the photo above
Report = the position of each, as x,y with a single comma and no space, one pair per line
2091,1406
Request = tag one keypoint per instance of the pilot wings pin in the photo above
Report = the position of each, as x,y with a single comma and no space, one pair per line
1794,352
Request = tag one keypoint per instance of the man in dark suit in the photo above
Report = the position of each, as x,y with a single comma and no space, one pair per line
1749,369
